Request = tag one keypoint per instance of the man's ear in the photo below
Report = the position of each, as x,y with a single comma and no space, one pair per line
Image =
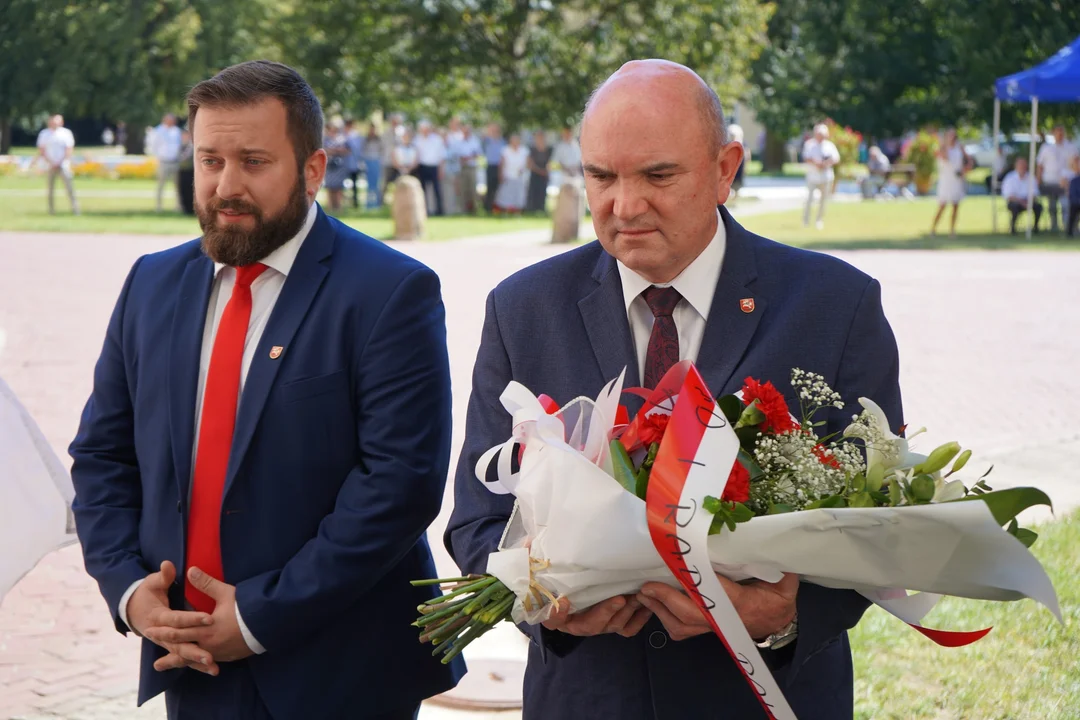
728,160
314,172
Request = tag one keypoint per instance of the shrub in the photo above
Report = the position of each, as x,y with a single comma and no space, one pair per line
846,140
922,153
137,171
90,169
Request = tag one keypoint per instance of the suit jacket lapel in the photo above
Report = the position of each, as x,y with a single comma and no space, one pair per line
189,322
301,286
730,328
604,314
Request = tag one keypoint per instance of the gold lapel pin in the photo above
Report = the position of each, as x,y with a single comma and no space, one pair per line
747,305
275,352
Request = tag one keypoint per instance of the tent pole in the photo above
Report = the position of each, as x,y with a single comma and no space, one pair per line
993,172
1031,167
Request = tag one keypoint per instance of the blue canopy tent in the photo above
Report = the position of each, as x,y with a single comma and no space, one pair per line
1055,80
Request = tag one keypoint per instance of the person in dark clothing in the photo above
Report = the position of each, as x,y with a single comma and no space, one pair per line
539,159
1074,200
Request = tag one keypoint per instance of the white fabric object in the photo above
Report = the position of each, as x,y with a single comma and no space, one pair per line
514,162
696,284
35,494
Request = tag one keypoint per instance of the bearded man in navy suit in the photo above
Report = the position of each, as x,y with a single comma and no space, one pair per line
268,437
672,277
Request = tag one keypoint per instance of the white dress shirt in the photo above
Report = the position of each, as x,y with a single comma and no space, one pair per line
696,284
1054,161
56,144
264,295
430,149
820,151
1014,187
167,143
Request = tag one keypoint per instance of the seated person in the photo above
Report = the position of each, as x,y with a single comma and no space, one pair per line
1018,186
878,165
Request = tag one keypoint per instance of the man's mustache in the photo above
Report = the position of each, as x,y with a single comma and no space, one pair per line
239,206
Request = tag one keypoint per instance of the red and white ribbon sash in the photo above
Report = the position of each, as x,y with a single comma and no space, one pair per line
695,457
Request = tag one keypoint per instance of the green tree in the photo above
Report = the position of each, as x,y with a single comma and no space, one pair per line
31,49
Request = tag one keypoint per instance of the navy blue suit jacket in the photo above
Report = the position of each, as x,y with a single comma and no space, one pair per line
560,327
338,465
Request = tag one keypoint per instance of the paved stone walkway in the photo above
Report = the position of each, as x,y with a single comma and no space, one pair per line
988,340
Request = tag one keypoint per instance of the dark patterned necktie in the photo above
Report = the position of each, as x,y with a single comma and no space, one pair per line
663,349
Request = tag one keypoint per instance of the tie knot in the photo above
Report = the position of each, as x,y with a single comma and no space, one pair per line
662,301
246,274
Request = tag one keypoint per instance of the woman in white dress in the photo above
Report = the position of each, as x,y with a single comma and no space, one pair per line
514,177
952,165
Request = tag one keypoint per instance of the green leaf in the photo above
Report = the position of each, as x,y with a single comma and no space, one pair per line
740,513
779,508
1007,504
880,498
622,467
748,437
833,501
895,496
1027,537
858,483
641,488
711,505
732,408
861,500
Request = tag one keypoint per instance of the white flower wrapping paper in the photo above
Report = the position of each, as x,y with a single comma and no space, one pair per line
588,539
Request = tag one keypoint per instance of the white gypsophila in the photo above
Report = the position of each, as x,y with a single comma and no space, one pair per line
813,392
865,427
794,475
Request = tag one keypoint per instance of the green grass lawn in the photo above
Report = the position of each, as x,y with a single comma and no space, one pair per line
1027,668
127,206
903,225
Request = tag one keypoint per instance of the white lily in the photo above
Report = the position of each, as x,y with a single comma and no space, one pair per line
885,448
946,490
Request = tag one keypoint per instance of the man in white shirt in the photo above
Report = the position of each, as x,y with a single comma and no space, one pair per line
1051,172
1016,188
431,156
820,154
467,150
55,146
166,145
567,153
451,178
672,277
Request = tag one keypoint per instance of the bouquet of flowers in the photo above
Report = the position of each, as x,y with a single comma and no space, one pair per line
740,486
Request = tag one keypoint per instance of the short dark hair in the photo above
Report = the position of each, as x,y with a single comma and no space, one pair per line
250,82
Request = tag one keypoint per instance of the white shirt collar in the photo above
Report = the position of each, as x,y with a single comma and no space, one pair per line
283,258
696,283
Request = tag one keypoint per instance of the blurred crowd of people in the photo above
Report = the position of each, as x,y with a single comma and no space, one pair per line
448,162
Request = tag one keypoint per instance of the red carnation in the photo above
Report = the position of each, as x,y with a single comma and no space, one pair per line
652,430
830,460
738,484
777,417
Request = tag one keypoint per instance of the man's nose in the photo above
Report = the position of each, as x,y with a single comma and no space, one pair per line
230,182
630,201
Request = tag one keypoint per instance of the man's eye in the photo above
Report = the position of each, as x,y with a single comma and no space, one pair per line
253,161
659,176
208,161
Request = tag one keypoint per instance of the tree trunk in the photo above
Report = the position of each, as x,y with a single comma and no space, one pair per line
5,135
774,152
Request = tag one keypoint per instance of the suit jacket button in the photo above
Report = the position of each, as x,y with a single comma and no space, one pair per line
657,640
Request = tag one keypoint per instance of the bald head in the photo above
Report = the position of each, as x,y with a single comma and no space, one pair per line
664,81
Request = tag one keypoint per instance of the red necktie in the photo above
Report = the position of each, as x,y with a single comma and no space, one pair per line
663,351
220,399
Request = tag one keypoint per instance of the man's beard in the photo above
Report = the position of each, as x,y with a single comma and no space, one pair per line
231,245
